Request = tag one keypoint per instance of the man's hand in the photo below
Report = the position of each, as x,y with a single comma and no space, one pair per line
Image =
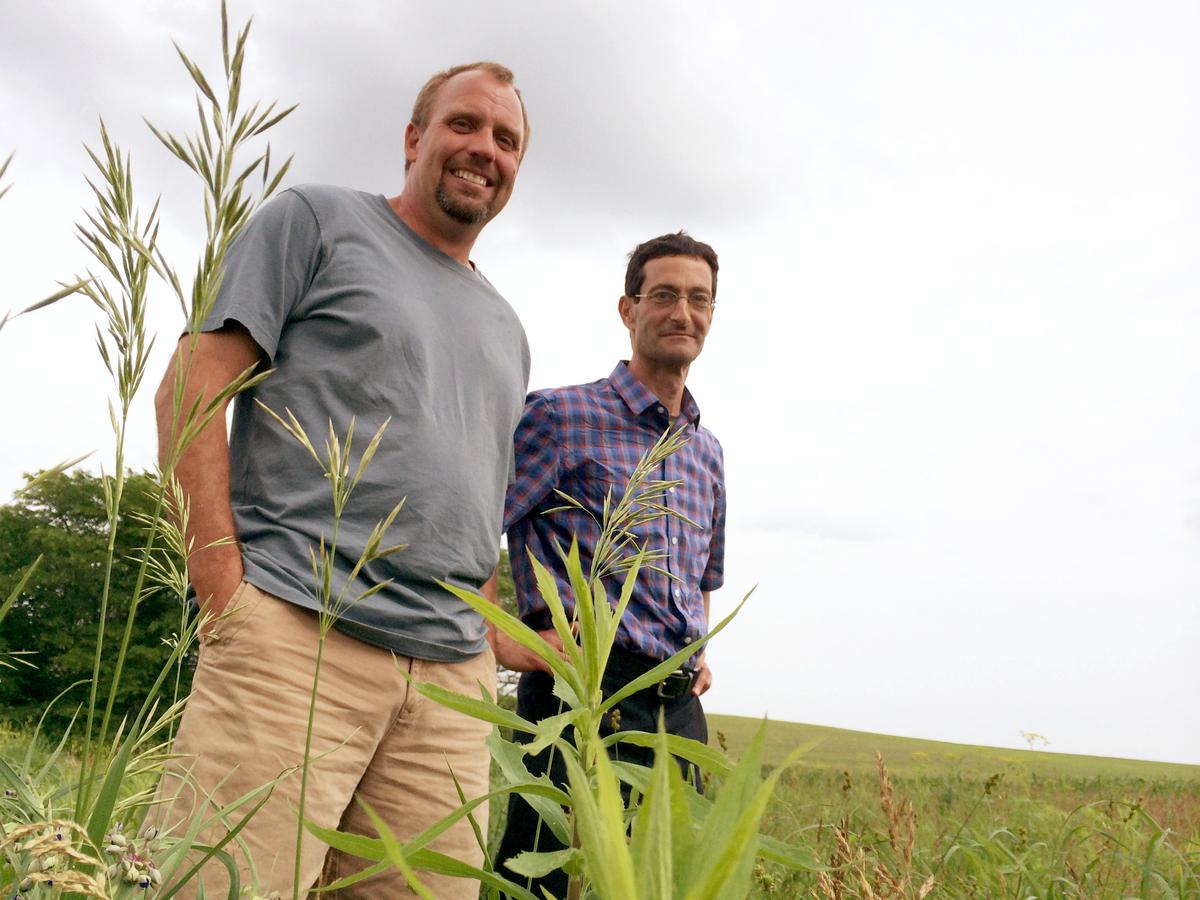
703,676
214,592
513,656
508,652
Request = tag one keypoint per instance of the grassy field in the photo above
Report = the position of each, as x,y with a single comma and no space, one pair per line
854,751
962,821
951,820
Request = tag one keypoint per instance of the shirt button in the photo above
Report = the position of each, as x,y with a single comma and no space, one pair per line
674,540
687,639
662,409
677,593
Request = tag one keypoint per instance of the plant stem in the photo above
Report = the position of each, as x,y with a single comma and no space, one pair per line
308,736
134,603
114,498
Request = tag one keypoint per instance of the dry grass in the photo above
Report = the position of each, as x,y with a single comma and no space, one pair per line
1007,835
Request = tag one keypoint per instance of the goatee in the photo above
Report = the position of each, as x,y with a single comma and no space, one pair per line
467,215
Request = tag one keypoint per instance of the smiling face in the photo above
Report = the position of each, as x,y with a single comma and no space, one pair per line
462,163
668,338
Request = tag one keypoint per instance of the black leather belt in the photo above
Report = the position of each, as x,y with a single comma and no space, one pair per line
624,666
675,685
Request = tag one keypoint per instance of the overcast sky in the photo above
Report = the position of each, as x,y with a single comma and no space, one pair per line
953,363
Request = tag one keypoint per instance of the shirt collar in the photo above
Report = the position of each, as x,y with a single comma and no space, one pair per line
639,399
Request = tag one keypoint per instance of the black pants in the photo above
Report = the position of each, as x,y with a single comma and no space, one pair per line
535,701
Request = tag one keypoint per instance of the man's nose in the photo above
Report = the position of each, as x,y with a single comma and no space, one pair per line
482,144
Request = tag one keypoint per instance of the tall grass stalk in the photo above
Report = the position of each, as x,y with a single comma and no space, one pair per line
123,346
334,600
127,253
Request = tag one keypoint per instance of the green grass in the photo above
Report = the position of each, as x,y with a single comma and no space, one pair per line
980,822
841,750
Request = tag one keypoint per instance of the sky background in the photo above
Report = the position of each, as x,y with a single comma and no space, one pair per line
953,363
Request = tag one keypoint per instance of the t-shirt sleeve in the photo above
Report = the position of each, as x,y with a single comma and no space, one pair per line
714,572
268,268
536,455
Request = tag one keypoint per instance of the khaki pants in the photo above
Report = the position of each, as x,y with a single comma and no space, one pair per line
374,738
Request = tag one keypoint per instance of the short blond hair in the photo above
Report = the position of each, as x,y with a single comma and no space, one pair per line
428,92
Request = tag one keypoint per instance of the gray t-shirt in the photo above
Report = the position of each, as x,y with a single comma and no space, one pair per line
361,318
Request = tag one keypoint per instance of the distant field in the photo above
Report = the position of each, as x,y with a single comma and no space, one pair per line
972,822
854,751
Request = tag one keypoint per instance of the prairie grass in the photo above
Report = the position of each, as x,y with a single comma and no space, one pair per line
1012,835
986,822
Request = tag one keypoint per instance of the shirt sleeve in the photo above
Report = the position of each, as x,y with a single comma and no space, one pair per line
536,458
268,269
714,571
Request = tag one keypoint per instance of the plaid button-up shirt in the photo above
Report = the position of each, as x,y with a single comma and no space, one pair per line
585,440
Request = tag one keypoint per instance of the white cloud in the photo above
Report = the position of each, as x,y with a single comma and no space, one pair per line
952,363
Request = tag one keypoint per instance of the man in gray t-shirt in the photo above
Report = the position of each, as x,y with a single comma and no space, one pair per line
365,308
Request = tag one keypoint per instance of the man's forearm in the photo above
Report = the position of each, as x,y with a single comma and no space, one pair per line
203,470
215,561
491,594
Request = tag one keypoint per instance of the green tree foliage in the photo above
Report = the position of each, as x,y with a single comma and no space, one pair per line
62,518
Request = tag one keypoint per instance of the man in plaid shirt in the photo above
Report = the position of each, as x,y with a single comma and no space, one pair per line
585,441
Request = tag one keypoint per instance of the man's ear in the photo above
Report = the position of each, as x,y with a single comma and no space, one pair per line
625,308
412,135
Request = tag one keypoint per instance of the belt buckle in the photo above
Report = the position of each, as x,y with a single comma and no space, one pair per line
675,685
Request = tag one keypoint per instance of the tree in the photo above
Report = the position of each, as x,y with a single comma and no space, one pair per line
61,517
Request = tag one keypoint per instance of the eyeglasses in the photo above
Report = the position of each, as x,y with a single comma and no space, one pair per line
665,298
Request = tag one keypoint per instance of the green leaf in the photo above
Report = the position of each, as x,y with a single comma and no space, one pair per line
432,861
485,710
187,848
702,755
606,623
19,586
13,781
395,853
723,857
359,845
566,693
535,865
550,729
665,668
585,613
52,760
438,828
361,875
207,853
600,819
547,587
652,846
515,629
510,759
106,800
789,855
415,850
